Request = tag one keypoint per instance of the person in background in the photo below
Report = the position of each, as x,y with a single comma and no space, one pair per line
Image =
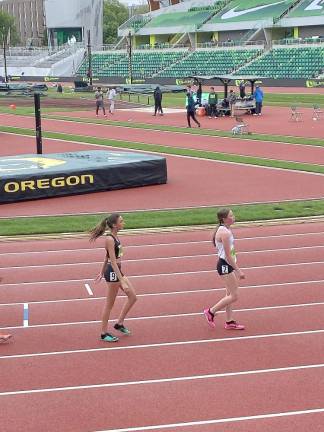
157,94
242,90
99,101
231,101
258,95
199,94
212,103
191,107
111,98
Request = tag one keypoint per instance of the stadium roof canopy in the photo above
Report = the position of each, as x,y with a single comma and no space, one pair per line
226,79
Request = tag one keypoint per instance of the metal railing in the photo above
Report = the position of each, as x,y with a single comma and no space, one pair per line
143,47
135,23
25,52
231,44
299,41
108,47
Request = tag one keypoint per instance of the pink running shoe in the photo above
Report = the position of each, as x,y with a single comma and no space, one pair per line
233,325
209,317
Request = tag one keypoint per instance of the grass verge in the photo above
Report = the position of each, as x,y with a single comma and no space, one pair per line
159,219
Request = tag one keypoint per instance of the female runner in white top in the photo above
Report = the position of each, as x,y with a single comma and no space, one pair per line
228,270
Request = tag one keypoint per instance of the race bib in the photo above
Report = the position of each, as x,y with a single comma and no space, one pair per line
113,277
224,269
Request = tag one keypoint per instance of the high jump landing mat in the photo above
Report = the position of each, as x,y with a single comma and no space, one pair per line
29,176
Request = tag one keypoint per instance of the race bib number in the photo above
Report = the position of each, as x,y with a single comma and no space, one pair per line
224,269
113,277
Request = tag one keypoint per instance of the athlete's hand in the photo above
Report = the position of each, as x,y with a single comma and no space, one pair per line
124,285
240,274
99,277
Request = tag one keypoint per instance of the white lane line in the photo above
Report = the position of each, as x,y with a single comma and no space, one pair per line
216,421
26,315
165,380
243,268
100,262
170,293
178,257
165,344
169,274
77,250
87,287
183,315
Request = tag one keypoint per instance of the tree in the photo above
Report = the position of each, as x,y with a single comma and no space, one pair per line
141,9
114,14
7,29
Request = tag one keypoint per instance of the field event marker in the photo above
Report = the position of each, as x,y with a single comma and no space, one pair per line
87,286
26,315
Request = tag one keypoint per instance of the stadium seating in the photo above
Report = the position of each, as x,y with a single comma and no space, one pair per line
292,62
210,62
282,62
144,63
100,61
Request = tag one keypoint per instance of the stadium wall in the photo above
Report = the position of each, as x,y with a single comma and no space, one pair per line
84,14
225,36
267,82
305,32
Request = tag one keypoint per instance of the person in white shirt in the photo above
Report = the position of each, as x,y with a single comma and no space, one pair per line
227,268
111,98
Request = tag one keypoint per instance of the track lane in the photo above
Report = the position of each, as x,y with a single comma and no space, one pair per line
255,233
151,404
297,421
132,262
184,303
250,355
161,266
66,256
34,291
53,338
11,315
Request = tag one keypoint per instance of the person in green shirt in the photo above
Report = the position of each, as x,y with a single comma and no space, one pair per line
212,103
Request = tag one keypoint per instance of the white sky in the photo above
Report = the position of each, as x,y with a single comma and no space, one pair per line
130,2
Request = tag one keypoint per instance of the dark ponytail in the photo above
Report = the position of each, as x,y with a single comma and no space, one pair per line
100,229
221,215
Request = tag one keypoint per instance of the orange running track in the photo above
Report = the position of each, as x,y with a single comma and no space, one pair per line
174,372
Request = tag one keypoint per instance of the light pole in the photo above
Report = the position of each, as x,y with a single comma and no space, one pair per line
89,59
130,61
5,36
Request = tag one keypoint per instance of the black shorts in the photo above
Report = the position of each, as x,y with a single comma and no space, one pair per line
223,267
110,274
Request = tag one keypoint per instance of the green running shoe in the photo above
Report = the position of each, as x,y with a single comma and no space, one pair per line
122,329
107,337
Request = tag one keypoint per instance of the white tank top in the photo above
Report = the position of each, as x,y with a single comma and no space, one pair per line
220,246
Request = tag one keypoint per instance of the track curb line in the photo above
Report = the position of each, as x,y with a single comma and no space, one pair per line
160,230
